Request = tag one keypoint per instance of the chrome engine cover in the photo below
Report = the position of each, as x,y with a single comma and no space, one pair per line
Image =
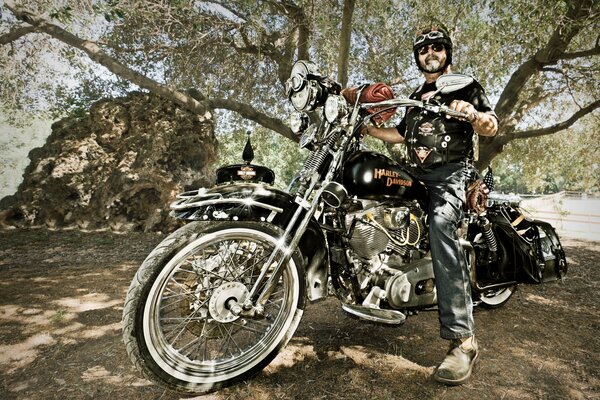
377,228
367,241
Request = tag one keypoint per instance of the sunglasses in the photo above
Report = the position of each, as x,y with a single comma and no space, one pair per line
429,35
437,47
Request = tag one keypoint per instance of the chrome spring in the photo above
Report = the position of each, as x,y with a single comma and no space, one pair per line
488,234
315,160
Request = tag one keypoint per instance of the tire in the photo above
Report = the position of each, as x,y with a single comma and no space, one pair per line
496,298
176,327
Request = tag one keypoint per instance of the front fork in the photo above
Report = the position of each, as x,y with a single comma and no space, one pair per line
253,305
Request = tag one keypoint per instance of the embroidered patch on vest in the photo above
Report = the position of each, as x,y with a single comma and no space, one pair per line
422,153
426,129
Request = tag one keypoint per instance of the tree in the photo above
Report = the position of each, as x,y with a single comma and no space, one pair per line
537,59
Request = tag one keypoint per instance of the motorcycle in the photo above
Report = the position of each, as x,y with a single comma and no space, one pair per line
219,298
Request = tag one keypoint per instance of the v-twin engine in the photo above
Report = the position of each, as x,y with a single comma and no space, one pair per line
378,228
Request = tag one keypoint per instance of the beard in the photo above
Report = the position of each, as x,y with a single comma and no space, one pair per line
432,64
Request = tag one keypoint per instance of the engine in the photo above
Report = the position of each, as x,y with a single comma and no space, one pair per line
377,229
386,251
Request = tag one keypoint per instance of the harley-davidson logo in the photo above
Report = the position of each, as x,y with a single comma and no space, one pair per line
391,177
426,129
246,173
422,153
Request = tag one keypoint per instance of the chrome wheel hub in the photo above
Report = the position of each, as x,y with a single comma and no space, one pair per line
218,304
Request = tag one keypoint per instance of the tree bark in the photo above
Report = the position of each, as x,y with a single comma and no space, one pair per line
15,34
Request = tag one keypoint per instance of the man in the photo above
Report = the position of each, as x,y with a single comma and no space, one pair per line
440,150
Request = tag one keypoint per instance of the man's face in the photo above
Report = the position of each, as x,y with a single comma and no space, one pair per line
432,57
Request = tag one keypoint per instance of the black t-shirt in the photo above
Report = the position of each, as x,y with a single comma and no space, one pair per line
433,140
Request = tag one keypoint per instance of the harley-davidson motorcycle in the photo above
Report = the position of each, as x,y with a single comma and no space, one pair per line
217,300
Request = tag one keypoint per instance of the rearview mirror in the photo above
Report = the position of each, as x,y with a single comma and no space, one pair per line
452,82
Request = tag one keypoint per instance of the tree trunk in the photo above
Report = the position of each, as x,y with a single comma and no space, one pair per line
345,36
512,95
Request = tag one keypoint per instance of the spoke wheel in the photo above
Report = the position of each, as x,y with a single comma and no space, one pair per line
185,331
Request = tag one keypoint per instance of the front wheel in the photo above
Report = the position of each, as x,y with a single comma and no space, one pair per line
177,326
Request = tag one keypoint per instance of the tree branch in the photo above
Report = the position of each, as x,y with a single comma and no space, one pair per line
96,54
345,36
253,114
188,101
15,33
549,54
580,54
554,128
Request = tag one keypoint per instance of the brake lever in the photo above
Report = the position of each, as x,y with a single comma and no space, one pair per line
446,111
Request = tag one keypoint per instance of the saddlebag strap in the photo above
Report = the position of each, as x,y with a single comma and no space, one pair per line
517,221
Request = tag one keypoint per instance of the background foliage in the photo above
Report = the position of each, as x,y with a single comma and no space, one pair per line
538,61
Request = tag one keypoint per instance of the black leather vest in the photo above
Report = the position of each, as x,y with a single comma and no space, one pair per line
433,140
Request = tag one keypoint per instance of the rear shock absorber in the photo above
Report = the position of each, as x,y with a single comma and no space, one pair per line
488,234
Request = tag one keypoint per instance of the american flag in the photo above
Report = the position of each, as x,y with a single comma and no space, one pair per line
488,179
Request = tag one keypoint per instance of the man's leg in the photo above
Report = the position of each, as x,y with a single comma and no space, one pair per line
446,191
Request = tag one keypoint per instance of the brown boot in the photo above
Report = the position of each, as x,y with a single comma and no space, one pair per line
458,364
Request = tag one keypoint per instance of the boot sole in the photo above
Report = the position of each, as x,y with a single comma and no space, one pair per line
456,382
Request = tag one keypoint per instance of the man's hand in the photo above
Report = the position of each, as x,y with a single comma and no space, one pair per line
466,108
484,124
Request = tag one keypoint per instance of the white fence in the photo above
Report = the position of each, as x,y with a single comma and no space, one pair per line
573,214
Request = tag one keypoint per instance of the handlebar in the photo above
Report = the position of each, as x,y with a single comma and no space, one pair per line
438,109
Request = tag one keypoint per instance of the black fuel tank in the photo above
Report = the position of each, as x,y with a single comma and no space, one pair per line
367,174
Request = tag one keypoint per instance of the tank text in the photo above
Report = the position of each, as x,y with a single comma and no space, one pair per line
393,177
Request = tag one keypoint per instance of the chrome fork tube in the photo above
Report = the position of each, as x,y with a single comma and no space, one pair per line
282,247
286,251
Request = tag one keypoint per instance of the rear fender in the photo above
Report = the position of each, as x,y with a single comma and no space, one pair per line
261,203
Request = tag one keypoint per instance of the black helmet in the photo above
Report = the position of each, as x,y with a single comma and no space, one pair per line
430,36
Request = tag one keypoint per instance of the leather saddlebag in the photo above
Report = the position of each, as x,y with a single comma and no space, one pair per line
529,249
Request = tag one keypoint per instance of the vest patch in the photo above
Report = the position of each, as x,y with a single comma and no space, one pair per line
426,129
422,153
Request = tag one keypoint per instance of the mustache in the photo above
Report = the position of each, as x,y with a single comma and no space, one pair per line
432,57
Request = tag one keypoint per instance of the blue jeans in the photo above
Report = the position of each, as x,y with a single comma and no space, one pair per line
446,186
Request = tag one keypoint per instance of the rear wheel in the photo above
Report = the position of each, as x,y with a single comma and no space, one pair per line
497,297
178,328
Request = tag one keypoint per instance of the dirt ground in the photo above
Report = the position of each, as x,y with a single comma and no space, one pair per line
61,296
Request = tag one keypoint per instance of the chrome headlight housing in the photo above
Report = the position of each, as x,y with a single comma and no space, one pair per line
335,107
306,98
308,137
302,87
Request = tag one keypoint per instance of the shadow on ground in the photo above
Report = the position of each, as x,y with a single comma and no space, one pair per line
61,297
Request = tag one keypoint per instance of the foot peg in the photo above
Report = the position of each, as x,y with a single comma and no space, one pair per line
389,317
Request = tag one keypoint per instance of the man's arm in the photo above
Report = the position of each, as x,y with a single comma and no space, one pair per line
389,135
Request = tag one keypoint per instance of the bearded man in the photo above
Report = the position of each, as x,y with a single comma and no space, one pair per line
441,151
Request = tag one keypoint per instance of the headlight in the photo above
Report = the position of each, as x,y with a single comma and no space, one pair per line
302,87
306,98
298,122
335,107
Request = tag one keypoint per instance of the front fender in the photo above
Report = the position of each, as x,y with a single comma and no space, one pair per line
261,203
